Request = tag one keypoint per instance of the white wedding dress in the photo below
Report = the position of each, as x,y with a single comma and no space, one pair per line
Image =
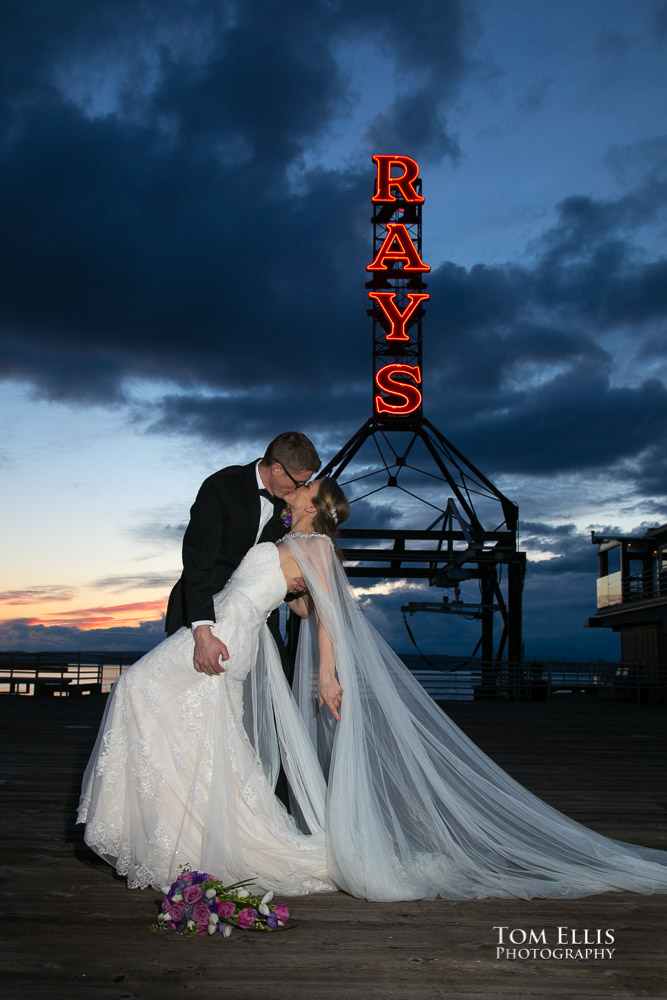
394,802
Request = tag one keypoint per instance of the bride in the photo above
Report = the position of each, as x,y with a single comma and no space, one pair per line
390,800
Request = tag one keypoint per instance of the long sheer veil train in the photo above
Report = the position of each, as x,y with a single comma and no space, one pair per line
413,808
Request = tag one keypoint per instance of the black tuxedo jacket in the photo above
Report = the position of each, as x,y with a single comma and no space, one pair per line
223,525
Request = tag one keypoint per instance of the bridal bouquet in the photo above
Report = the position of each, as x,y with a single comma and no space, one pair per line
198,904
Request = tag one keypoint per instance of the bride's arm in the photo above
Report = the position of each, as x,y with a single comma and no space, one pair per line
320,553
301,606
328,688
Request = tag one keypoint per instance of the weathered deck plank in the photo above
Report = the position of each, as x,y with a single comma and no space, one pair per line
73,930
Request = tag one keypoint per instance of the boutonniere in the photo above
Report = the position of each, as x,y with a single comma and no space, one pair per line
286,516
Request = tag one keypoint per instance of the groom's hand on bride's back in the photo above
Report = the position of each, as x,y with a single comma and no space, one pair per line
209,651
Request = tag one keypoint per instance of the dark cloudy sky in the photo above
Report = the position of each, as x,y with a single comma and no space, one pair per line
186,191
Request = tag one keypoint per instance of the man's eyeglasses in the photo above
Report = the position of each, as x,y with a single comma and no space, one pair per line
297,484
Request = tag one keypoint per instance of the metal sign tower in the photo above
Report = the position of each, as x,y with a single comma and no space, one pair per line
463,528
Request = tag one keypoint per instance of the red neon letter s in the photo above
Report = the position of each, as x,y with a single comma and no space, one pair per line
398,319
410,394
404,182
407,251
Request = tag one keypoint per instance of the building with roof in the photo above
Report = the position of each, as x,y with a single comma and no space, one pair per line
632,599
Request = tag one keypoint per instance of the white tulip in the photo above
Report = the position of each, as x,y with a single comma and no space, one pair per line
227,930
191,924
213,918
178,898
212,928
166,917
243,893
210,893
267,897
280,923
263,909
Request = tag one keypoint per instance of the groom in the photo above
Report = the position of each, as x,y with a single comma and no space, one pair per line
234,509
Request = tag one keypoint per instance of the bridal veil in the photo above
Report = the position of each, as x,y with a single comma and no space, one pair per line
413,808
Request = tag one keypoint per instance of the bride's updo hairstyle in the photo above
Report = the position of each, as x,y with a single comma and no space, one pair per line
332,508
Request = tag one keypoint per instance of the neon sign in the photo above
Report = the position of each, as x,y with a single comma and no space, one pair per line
387,380
404,182
396,290
397,319
406,250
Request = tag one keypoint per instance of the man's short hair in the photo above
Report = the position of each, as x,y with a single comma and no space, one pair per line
294,451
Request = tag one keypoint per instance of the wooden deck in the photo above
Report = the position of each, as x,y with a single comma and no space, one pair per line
72,929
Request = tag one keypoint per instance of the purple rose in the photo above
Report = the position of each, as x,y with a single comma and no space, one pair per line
172,926
226,909
202,929
246,918
272,921
282,912
201,913
166,904
176,911
186,877
192,893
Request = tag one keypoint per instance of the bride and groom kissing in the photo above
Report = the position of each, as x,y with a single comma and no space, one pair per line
389,799
235,508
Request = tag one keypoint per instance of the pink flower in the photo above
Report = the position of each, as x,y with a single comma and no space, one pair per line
176,911
282,912
226,909
202,929
166,904
246,918
201,913
192,894
172,926
186,877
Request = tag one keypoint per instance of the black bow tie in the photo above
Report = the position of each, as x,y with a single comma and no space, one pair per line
278,504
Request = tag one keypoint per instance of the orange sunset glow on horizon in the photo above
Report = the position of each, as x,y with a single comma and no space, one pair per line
100,617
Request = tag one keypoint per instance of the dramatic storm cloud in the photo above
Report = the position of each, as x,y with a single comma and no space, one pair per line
186,194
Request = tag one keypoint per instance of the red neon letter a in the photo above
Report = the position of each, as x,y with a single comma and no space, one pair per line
409,394
406,250
398,319
404,182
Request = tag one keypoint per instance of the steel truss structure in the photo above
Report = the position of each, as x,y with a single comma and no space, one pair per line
468,529
453,546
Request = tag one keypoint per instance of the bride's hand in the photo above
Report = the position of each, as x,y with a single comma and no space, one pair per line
209,651
330,691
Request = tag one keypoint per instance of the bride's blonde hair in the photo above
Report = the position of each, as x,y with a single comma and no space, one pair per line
332,508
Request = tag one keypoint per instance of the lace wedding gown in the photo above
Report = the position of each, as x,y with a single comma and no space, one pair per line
394,802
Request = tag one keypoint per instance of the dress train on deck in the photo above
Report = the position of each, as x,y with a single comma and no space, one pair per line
394,802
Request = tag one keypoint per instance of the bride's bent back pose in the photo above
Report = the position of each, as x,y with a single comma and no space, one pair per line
390,800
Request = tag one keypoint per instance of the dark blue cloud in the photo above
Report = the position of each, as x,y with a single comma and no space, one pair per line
161,238
564,547
17,635
180,235
166,218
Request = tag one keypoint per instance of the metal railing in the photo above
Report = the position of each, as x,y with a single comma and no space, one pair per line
541,680
73,674
628,588
62,674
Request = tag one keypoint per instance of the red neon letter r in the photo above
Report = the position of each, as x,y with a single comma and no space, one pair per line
404,182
